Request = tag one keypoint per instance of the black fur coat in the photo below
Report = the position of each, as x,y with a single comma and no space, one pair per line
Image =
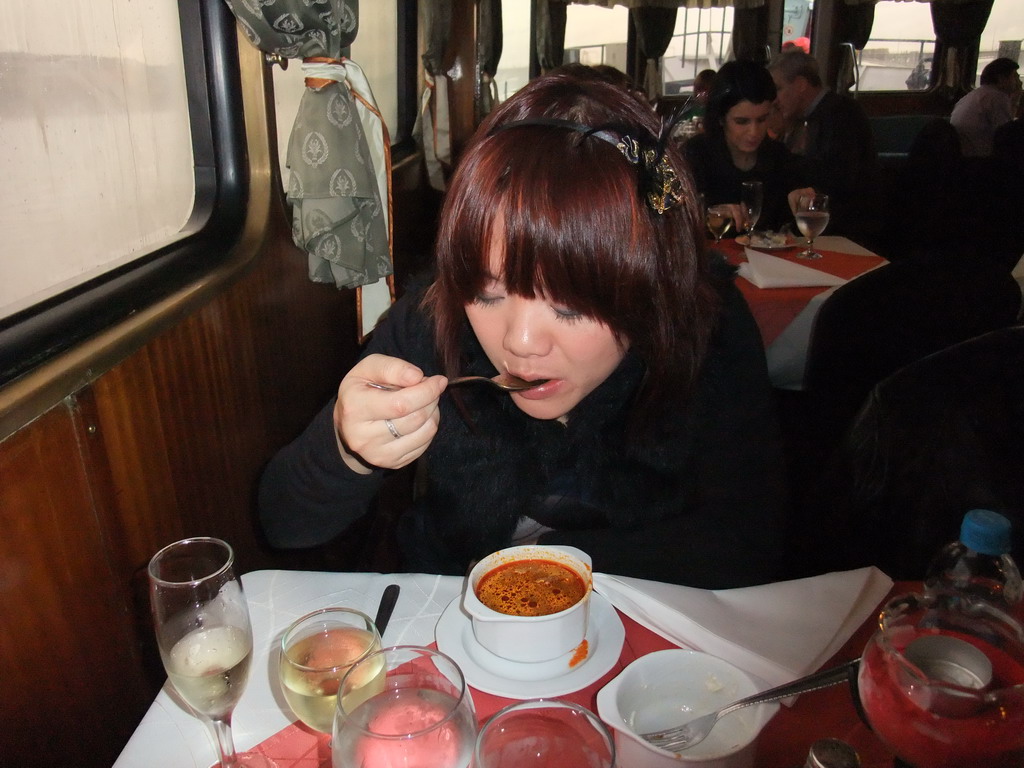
700,503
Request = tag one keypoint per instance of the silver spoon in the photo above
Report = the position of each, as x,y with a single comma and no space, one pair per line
505,381
687,735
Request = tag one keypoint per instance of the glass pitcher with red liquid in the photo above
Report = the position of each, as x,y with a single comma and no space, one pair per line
941,682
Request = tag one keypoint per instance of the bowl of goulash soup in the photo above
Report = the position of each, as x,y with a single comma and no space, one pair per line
530,603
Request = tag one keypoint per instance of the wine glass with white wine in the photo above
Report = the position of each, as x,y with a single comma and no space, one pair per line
204,634
718,219
811,218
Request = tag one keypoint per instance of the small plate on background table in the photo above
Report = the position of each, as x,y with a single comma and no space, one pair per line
767,245
515,680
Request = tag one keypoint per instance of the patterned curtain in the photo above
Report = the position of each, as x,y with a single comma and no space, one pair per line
339,149
433,125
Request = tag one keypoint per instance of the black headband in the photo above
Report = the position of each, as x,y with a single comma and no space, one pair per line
659,184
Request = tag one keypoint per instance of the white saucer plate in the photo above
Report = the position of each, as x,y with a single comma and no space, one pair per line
516,680
790,243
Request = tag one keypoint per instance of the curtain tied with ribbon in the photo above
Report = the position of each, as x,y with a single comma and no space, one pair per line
339,148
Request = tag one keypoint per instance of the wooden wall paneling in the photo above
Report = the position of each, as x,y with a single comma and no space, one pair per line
69,683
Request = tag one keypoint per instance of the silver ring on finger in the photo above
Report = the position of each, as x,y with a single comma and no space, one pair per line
391,428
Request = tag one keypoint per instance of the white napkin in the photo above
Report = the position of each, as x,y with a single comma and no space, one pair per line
766,271
777,632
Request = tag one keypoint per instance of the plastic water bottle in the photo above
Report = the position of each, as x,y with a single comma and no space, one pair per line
979,564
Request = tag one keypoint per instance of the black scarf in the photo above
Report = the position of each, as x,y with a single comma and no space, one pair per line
486,474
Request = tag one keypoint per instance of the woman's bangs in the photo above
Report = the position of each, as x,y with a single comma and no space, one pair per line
570,227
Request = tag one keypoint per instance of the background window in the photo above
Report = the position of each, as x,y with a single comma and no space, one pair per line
514,67
97,150
702,40
595,35
898,57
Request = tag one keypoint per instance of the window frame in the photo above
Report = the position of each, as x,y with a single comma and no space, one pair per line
37,334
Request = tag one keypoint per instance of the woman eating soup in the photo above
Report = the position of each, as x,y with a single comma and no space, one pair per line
735,147
569,249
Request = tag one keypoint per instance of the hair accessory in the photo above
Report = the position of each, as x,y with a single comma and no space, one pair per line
659,184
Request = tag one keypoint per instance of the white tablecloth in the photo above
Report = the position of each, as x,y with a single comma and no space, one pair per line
775,631
170,737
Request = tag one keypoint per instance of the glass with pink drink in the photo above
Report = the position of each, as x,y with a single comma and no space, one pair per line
404,706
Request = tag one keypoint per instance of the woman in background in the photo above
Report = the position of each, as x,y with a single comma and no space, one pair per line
570,249
735,147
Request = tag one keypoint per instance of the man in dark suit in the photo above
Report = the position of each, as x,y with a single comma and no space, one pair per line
832,133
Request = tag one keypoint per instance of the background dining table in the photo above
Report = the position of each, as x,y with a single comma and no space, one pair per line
785,316
170,737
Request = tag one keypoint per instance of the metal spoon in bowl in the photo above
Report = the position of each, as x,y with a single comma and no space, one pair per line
504,381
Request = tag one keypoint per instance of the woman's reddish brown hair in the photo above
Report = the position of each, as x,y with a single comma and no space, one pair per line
576,227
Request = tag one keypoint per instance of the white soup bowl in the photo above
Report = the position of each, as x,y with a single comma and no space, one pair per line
530,638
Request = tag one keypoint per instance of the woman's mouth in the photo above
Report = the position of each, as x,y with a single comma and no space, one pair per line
545,390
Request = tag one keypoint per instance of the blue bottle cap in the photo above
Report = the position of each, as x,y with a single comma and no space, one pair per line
986,532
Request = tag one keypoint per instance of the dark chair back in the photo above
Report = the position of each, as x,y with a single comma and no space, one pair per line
894,315
941,436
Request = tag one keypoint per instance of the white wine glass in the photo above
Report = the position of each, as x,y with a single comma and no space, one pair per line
204,634
718,219
316,652
752,200
811,218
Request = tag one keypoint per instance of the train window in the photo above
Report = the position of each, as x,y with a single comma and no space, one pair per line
375,50
97,151
596,35
514,65
702,40
123,160
898,56
1003,34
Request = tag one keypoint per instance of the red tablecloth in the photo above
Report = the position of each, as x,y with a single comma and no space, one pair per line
783,743
775,308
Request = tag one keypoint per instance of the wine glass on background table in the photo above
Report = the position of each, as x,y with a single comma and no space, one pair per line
811,218
941,682
751,200
316,652
204,633
404,706
718,219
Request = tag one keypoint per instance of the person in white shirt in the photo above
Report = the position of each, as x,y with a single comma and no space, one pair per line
977,115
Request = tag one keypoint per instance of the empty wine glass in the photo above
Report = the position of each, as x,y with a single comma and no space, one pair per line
204,634
316,652
718,219
544,733
752,199
404,706
811,218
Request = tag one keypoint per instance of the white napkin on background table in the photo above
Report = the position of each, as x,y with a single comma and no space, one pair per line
777,632
766,271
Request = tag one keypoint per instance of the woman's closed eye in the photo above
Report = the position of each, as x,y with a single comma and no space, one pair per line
567,315
486,299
